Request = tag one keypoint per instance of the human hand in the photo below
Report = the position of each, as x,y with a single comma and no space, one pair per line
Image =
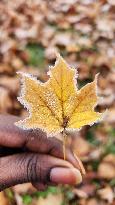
29,156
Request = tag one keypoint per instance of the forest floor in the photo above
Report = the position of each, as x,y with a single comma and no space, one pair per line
82,31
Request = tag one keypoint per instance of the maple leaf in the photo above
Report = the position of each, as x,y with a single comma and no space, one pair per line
57,105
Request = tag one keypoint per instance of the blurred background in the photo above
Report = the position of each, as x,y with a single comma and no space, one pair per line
82,31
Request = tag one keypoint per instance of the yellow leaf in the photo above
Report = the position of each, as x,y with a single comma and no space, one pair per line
58,105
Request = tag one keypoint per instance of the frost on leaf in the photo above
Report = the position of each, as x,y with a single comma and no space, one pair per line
58,105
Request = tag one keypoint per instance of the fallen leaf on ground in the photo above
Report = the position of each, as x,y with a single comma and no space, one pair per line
106,194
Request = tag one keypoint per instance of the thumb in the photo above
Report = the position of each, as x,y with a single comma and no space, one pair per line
22,168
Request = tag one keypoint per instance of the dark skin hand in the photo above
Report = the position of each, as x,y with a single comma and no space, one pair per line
29,156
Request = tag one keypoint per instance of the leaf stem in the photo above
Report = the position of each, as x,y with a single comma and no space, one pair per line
64,144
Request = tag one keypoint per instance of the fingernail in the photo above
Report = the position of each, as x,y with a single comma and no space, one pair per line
82,169
62,175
